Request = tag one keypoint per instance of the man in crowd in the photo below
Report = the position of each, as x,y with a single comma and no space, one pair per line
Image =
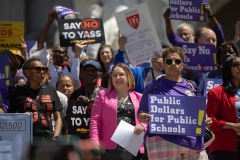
63,59
185,33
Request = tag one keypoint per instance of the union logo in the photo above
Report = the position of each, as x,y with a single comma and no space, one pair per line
133,20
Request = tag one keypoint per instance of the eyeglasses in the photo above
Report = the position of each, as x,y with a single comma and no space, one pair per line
120,75
170,61
39,69
236,65
58,51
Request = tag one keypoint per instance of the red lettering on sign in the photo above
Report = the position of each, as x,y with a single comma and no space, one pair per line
90,24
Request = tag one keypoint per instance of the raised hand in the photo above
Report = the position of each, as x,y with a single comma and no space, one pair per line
52,15
122,40
23,48
167,14
207,9
79,46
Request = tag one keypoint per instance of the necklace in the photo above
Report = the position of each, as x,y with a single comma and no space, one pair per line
91,95
122,103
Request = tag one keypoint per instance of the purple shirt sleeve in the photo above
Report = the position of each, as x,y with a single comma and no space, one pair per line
143,107
175,40
219,33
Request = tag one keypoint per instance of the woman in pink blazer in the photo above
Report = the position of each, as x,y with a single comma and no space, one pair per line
112,106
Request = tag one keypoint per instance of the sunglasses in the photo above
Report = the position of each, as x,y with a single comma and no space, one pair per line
58,52
170,61
39,69
236,65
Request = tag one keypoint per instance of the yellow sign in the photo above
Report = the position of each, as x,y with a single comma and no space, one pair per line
10,33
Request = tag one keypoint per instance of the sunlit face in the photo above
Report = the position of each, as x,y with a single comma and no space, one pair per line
106,55
186,34
119,78
59,55
36,72
65,86
173,64
208,37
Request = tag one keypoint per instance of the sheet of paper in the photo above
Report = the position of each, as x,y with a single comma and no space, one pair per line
125,137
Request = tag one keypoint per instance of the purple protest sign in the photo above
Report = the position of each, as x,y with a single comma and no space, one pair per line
199,57
5,72
211,83
64,11
176,115
190,10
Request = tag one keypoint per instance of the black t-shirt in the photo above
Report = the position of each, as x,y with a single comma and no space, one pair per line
22,100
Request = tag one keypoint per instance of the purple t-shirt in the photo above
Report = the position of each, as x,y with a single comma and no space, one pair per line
175,40
168,87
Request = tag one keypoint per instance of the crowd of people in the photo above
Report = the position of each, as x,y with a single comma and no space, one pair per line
46,79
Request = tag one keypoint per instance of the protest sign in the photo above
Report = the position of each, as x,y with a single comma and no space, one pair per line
10,33
142,40
63,11
72,30
176,115
78,118
92,50
15,135
5,72
211,83
190,10
199,57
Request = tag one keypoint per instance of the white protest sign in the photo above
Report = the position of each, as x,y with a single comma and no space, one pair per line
142,40
15,135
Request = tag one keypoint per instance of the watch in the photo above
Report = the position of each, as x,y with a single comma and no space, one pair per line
211,16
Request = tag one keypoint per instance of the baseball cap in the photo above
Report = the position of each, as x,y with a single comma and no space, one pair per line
93,63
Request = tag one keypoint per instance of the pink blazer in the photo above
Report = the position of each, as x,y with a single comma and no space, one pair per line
104,117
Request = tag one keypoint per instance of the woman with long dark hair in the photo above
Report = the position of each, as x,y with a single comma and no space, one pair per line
224,107
105,57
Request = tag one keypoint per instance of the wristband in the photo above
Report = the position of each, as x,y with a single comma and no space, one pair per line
211,16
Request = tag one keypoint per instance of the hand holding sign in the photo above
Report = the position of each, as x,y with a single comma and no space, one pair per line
207,9
167,14
79,47
52,15
122,40
144,117
209,121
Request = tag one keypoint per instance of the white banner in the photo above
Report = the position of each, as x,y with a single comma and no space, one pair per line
142,40
15,135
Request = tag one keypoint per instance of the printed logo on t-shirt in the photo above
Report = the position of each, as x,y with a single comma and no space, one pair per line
188,92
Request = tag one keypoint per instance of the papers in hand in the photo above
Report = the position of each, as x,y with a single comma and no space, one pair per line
124,136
